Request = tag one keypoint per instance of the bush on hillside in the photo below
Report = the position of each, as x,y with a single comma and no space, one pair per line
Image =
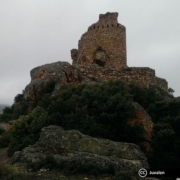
26,130
5,139
102,110
165,146
143,96
99,110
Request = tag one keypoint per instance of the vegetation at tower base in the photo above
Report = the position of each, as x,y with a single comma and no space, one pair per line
100,110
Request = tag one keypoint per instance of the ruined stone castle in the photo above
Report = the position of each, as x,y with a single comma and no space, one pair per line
101,55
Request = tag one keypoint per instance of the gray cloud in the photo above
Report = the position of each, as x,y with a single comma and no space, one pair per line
35,32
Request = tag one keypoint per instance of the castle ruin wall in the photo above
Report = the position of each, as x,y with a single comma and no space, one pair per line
142,76
101,55
104,43
162,83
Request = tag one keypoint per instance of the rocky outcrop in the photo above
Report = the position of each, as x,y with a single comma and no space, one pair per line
101,56
142,118
74,56
58,72
74,147
62,73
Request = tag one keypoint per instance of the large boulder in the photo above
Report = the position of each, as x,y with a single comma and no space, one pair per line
143,118
74,147
58,72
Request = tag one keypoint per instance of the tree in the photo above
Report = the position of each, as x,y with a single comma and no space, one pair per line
171,91
18,98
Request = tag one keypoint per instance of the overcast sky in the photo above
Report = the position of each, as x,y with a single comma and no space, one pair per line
36,32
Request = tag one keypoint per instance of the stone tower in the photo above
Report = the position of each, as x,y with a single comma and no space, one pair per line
104,44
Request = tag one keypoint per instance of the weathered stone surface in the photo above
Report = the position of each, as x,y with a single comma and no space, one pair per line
74,56
73,146
43,74
107,36
142,76
104,44
59,72
141,117
101,56
63,72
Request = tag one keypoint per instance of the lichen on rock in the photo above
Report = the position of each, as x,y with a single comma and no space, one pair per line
73,146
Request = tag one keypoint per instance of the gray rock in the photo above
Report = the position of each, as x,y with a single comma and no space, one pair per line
74,147
58,72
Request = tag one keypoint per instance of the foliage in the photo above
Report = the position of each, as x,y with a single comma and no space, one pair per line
18,98
143,96
26,130
6,115
1,130
2,106
166,116
5,139
99,110
23,106
122,176
166,141
171,91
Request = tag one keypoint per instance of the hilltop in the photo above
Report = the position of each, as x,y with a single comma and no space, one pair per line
96,117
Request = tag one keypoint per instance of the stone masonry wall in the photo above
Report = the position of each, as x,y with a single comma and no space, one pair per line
101,55
162,83
104,43
142,76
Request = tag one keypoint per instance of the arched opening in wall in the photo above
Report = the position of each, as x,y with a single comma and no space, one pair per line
112,25
94,27
100,57
107,26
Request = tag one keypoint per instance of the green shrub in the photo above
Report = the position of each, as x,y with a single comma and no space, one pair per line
122,176
5,139
1,131
143,96
165,147
26,130
18,98
99,110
